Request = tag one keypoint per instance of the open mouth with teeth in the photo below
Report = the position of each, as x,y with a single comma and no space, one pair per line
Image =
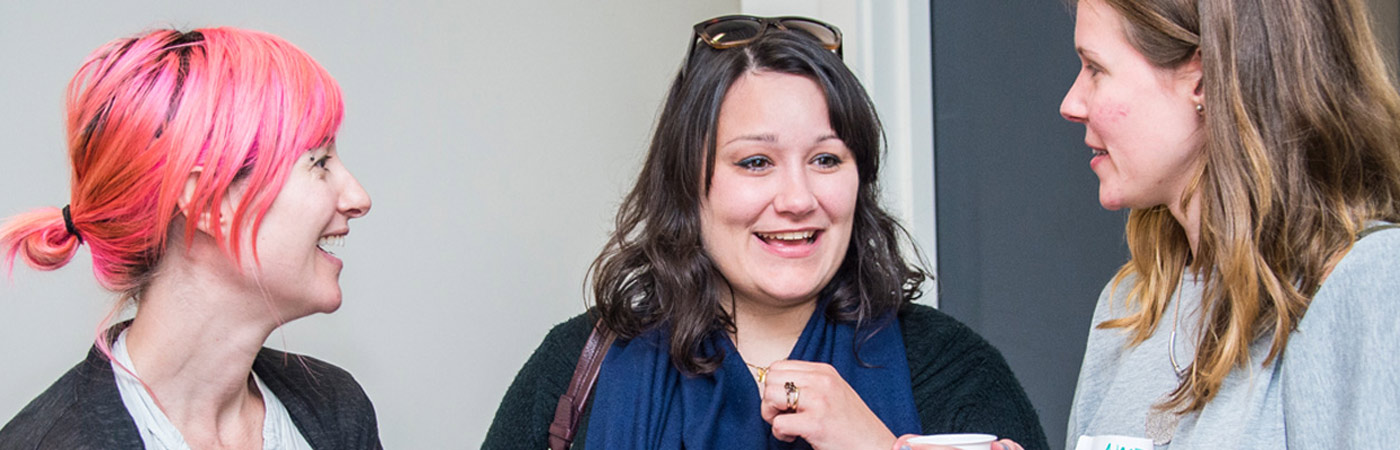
790,237
1098,153
330,241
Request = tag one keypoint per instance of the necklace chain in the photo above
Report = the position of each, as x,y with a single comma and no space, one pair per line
1161,424
1171,340
762,372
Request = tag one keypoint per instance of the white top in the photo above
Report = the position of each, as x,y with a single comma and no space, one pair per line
279,433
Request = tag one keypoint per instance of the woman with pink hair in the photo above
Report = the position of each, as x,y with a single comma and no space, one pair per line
207,186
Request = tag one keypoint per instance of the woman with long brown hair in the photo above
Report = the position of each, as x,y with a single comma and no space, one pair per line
1257,143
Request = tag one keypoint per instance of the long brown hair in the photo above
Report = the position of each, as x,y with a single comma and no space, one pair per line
1302,148
654,271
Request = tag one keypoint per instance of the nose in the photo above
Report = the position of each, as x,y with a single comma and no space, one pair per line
354,200
1072,108
795,197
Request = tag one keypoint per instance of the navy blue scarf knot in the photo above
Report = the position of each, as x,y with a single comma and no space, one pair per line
643,402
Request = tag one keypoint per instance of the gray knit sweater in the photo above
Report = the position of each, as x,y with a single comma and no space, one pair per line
1334,386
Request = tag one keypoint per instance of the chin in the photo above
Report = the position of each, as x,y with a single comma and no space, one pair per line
1111,206
325,305
793,296
1109,202
330,307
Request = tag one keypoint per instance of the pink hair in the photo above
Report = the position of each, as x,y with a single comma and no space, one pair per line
143,113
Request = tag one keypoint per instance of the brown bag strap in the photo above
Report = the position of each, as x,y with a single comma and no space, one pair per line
570,408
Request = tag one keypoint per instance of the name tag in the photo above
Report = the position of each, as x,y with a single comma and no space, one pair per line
1111,442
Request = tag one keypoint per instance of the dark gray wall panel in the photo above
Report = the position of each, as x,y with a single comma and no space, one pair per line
1023,246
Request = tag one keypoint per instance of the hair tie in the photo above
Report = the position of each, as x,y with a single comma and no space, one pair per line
68,223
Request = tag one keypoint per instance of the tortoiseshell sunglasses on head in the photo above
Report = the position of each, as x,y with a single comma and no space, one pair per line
739,30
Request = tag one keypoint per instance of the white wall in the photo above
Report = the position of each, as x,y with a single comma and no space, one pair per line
496,139
888,45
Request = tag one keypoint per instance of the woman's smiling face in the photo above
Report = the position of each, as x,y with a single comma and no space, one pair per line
311,211
778,214
1140,121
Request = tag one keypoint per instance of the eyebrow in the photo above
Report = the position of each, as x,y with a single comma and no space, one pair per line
769,138
1086,53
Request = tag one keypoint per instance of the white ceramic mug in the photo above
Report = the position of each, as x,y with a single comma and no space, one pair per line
963,441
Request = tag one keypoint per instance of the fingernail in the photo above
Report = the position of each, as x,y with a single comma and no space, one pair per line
905,447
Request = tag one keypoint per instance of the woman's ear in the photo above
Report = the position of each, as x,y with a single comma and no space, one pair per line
203,223
1190,75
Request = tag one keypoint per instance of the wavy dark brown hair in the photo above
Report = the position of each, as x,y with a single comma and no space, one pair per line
654,271
1302,149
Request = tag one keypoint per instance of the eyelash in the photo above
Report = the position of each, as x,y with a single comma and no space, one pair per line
1093,69
754,163
320,162
757,163
827,160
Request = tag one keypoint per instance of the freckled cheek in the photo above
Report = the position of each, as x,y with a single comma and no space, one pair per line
1110,114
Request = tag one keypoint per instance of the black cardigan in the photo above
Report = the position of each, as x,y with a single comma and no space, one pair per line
84,409
960,382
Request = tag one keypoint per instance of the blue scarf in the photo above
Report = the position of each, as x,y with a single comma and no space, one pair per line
642,402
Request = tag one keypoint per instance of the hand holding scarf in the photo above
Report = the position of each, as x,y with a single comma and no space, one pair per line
643,402
828,412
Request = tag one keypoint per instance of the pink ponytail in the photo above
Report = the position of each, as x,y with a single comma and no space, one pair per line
143,113
40,238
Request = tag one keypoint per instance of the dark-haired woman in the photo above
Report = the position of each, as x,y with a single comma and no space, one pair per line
756,287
